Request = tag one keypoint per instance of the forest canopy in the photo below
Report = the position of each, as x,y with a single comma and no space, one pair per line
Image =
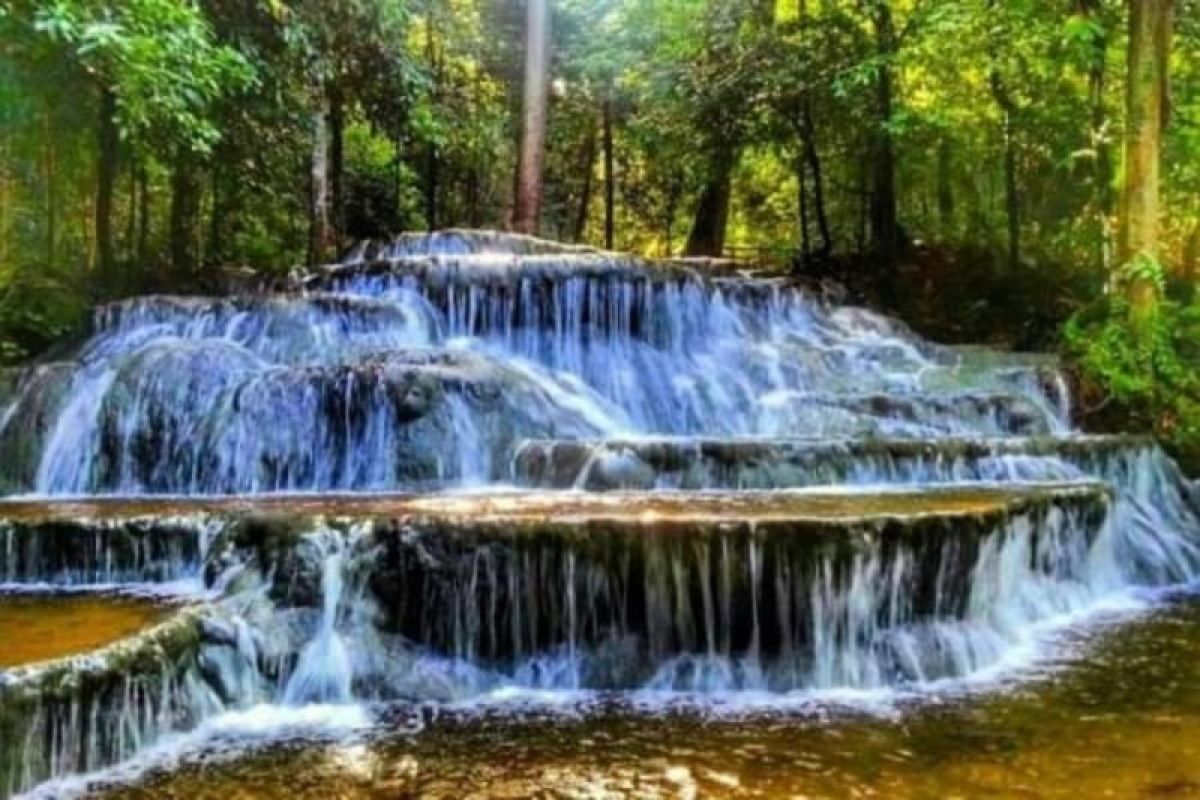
1020,170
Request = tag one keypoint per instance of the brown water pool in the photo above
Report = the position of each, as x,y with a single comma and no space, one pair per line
42,627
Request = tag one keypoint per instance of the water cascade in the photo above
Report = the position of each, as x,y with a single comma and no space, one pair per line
464,466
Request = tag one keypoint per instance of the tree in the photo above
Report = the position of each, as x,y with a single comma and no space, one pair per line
886,235
721,83
533,117
1147,109
1008,114
157,73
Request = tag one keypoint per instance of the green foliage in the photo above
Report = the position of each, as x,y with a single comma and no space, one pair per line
158,58
1148,369
35,311
428,97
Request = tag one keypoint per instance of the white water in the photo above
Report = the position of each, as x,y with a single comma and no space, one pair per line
324,673
433,371
464,356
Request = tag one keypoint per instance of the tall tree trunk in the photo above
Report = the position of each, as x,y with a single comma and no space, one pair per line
1147,110
185,214
50,180
1012,200
398,179
318,216
886,236
864,209
610,177
474,210
813,158
1099,112
945,187
337,167
109,143
1098,139
5,190
802,207
433,170
585,191
216,217
130,241
432,157
533,118
475,173
1191,257
707,237
143,235
670,212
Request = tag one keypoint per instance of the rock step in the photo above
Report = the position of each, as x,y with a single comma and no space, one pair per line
761,463
610,591
63,548
514,509
116,540
440,597
86,711
204,417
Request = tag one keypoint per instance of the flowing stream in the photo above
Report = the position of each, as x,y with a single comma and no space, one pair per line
471,476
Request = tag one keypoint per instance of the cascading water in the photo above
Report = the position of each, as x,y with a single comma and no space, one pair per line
734,486
324,672
354,386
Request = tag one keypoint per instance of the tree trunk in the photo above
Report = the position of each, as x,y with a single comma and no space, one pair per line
6,185
945,188
143,235
185,213
669,215
432,157
1146,113
474,215
1146,117
886,236
4,203
318,218
585,191
1012,200
1191,258
109,143
433,169
50,178
707,237
130,240
813,158
1099,113
533,124
216,217
864,209
802,204
337,167
610,177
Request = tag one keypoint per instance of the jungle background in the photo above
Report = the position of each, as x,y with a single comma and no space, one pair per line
1018,172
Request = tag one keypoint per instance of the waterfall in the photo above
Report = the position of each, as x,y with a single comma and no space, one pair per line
324,673
353,382
466,466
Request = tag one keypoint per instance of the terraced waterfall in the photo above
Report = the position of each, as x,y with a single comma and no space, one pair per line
470,469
